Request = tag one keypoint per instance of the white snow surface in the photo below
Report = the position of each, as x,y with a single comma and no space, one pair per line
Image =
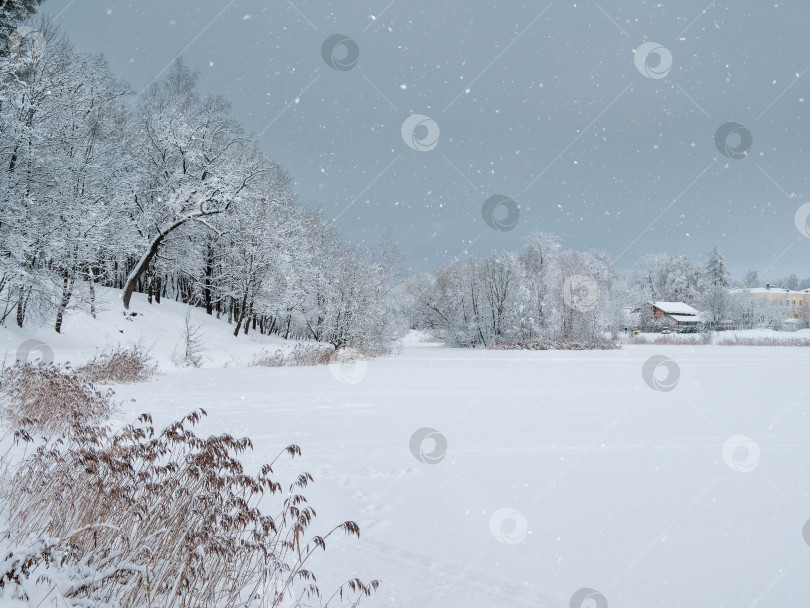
563,470
158,327
771,291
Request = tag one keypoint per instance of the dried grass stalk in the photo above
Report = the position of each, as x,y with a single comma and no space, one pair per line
50,399
120,365
168,519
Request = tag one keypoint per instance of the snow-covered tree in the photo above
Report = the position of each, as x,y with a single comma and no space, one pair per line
194,163
261,233
14,13
716,271
58,200
538,258
716,300
670,278
791,282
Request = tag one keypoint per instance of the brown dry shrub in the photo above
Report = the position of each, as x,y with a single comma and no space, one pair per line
588,343
301,354
765,341
315,354
170,519
50,398
706,339
701,339
120,365
667,339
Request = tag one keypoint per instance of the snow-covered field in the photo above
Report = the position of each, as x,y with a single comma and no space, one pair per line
561,470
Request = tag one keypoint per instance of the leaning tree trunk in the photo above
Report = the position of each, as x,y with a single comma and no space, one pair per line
148,256
242,312
140,269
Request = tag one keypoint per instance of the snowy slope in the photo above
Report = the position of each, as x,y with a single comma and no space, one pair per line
158,326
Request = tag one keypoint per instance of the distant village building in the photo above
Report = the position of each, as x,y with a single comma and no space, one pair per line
780,303
774,307
675,314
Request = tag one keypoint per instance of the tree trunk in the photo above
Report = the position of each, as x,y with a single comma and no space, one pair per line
209,272
21,306
92,285
67,289
148,256
250,317
242,312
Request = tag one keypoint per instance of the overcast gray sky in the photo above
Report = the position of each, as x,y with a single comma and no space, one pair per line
541,102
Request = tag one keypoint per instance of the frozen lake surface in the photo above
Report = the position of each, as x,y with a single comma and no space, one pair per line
561,470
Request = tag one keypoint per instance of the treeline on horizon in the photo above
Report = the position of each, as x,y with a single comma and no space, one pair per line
165,194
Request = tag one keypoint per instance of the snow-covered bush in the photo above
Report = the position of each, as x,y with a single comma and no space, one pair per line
190,343
510,298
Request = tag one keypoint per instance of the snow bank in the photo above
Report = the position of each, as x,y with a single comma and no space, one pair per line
158,326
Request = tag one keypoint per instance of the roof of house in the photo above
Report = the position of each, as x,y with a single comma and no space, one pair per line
675,308
772,291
